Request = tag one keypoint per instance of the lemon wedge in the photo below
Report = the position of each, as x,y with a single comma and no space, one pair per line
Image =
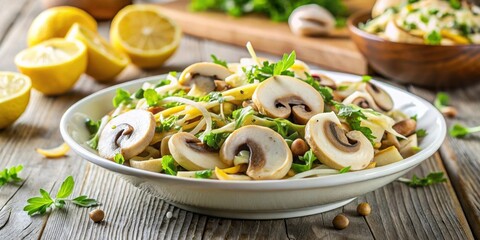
14,96
54,66
104,62
145,35
56,152
55,23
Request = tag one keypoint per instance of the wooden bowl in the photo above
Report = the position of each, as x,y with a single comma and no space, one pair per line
423,65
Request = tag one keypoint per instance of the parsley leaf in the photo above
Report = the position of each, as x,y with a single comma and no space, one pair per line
139,93
308,158
40,204
92,126
460,131
168,165
215,140
441,100
354,116
204,174
212,97
166,124
455,4
122,96
366,78
164,82
421,133
431,178
152,97
10,175
326,92
283,65
218,61
414,117
241,114
433,38
118,158
345,169
271,69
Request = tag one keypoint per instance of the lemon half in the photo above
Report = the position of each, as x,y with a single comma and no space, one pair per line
147,36
55,23
104,62
54,66
14,96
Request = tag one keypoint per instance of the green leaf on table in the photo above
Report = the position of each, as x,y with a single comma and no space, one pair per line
10,175
431,178
441,100
460,131
67,188
84,201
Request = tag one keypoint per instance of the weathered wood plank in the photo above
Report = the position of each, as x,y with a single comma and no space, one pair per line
460,156
10,14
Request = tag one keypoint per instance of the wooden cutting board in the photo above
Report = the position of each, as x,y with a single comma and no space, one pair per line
336,52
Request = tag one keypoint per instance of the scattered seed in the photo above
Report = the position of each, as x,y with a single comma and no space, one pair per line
364,209
340,222
169,215
97,215
299,147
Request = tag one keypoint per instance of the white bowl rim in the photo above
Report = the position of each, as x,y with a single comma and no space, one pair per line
264,185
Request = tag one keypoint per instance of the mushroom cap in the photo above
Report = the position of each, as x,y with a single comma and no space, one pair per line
129,134
201,76
190,153
383,100
311,20
363,100
283,96
270,156
335,147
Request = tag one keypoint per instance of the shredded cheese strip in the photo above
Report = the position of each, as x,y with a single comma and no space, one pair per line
253,54
203,110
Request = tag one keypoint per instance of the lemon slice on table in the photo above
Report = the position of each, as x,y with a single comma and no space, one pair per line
54,66
104,62
55,23
14,96
145,34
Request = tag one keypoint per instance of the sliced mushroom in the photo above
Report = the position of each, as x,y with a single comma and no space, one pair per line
335,147
380,96
201,77
408,147
152,165
164,150
405,127
387,156
390,140
270,157
190,153
325,81
396,34
362,99
284,97
128,134
311,20
382,5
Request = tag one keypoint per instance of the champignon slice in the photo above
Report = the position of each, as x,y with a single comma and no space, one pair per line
284,97
191,154
363,100
270,157
381,98
396,34
129,134
311,20
201,77
325,81
335,147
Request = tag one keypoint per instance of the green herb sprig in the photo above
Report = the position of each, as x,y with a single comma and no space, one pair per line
308,158
459,131
10,175
168,165
40,204
431,178
354,116
218,61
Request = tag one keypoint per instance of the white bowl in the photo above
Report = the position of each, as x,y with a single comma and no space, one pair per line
258,199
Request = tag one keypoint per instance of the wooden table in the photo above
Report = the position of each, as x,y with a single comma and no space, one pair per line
449,210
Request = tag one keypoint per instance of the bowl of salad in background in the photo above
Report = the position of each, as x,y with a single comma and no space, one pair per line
428,43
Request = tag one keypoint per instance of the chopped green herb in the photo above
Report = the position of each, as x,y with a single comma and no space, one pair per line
441,100
433,38
366,78
241,114
271,69
308,158
122,96
326,92
139,93
204,174
432,178
152,97
345,169
218,61
421,133
354,116
166,124
92,126
118,158
40,204
414,117
455,4
168,165
164,82
212,97
460,131
416,149
215,140
10,175
342,87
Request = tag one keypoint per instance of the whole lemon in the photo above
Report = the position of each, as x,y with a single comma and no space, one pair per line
55,23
